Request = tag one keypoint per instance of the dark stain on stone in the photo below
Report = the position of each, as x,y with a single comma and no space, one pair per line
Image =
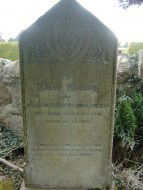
108,187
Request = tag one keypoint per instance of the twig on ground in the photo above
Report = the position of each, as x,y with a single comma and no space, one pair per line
133,161
9,164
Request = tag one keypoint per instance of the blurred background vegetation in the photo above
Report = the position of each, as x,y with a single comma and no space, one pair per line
134,47
9,50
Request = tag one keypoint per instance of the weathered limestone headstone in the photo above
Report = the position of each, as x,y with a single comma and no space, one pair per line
68,70
140,63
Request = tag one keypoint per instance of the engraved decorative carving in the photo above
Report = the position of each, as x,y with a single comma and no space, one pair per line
98,52
69,38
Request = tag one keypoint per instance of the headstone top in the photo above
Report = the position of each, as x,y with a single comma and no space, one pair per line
66,9
69,31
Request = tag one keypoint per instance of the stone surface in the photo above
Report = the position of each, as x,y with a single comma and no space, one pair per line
140,63
10,95
68,70
22,186
126,66
123,68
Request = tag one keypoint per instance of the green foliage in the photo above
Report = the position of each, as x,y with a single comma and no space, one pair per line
11,40
137,107
134,47
125,124
2,40
129,112
9,50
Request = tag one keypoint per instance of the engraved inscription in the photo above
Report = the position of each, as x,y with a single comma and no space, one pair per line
66,149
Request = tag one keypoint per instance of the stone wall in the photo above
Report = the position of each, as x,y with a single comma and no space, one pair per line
126,66
140,63
10,95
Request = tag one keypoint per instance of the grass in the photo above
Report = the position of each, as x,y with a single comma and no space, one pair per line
9,50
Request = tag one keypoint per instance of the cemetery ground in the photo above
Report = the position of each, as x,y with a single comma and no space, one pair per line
12,151
128,141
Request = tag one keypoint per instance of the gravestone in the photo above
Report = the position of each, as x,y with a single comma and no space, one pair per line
68,71
140,63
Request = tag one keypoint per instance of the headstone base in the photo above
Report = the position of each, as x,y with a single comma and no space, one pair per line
64,189
50,189
30,188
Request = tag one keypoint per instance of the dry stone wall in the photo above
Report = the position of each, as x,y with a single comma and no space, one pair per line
10,95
